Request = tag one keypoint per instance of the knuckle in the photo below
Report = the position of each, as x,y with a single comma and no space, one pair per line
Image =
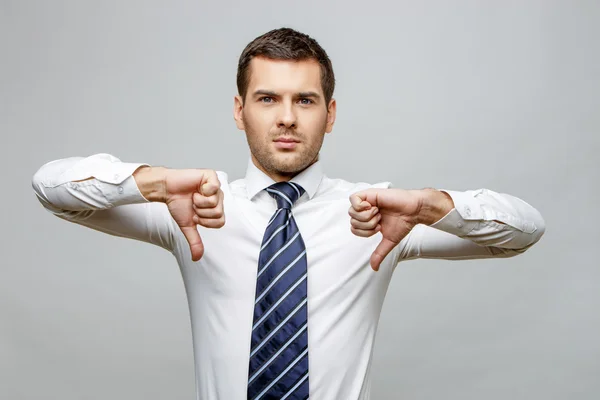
357,232
212,201
209,223
196,198
202,213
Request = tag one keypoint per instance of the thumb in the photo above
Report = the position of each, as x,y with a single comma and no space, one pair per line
358,202
193,238
209,188
383,249
212,184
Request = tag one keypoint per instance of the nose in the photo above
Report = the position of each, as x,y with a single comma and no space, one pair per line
286,117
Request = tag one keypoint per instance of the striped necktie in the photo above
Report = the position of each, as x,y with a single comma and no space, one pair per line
279,349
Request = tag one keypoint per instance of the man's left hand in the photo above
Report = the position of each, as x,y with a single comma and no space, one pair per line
394,213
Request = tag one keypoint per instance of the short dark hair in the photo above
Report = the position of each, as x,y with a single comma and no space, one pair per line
286,44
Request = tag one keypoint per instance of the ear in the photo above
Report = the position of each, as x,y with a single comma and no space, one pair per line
238,112
331,110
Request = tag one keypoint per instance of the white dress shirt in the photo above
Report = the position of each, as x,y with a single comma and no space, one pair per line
345,296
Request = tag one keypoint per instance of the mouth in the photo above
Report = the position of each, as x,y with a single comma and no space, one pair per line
286,143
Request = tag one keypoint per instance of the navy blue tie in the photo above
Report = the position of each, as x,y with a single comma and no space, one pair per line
279,349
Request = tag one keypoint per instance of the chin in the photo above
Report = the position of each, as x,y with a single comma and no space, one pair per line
284,162
287,168
290,165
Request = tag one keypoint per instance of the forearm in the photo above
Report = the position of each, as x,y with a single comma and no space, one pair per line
485,217
97,182
101,193
481,224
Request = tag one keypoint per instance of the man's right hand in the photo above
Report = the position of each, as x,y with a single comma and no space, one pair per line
193,197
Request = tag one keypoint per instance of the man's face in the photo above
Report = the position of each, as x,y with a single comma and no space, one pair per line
284,115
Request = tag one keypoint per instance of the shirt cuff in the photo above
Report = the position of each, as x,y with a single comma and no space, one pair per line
103,167
117,173
114,181
464,217
125,193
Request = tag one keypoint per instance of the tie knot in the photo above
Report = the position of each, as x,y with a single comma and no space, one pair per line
286,193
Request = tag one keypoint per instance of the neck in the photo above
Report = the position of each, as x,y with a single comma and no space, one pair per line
279,176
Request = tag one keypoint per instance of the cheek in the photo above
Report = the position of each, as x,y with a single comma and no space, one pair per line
259,118
316,121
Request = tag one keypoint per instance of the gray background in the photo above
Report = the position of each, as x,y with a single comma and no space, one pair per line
457,95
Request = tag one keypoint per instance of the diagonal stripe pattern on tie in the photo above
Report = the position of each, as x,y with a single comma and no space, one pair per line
279,345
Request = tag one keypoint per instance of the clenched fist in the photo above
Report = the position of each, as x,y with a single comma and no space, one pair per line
394,213
194,197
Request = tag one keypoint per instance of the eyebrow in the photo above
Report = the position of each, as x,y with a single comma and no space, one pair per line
274,94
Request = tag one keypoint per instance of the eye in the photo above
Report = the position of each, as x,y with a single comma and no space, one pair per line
306,101
266,99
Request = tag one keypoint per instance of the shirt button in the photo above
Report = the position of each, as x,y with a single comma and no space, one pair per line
120,189
467,211
460,224
75,186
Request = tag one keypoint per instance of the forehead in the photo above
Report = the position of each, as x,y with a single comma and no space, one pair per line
284,75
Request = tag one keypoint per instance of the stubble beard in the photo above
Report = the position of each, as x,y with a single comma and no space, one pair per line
271,161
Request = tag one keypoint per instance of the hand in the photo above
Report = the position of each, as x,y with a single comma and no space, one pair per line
194,197
391,211
394,213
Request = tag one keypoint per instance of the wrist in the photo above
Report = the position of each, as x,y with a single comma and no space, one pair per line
151,182
435,205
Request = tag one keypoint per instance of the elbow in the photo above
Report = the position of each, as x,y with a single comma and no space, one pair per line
44,180
540,228
536,235
37,184
530,238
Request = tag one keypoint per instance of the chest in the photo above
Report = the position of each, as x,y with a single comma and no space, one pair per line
337,260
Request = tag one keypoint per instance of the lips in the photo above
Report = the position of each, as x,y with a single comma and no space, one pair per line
286,143
287,140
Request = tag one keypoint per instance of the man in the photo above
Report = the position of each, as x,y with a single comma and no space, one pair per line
276,265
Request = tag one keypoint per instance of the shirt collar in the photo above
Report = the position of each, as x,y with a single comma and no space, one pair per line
309,179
